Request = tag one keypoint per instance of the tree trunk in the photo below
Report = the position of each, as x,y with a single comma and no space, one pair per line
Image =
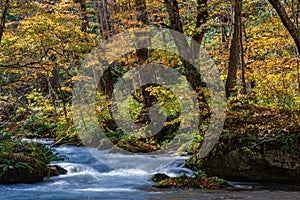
3,19
294,32
234,50
192,74
182,45
201,19
144,53
56,79
83,15
243,64
106,82
99,16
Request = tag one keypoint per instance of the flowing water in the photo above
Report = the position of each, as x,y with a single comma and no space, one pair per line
88,178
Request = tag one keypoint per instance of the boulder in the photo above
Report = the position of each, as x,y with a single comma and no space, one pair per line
56,170
270,166
28,176
22,176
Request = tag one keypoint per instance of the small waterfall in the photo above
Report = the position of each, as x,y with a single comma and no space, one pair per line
177,168
80,160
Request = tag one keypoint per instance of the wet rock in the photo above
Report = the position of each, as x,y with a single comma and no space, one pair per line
271,166
56,170
27,175
191,182
22,176
158,177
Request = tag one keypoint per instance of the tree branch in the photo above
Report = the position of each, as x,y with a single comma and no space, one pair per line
286,21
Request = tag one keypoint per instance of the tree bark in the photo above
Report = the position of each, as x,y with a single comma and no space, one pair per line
106,83
243,64
201,19
174,17
182,45
143,53
3,19
192,74
234,50
83,15
292,29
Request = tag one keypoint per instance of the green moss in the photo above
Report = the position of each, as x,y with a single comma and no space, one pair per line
20,157
158,177
197,181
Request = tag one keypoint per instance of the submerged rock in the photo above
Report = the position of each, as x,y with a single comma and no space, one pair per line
272,165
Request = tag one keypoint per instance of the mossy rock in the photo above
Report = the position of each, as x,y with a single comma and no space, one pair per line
191,182
25,162
23,176
158,177
269,166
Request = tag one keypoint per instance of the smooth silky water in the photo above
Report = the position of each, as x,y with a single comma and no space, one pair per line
89,178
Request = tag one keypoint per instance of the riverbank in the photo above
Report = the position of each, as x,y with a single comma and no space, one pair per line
89,179
26,162
258,143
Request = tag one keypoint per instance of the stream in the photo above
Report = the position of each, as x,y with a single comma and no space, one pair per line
89,178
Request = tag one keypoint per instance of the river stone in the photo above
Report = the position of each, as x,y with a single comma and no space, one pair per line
22,176
56,170
158,177
272,165
27,176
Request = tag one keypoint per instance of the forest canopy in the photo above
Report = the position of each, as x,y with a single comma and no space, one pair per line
253,43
